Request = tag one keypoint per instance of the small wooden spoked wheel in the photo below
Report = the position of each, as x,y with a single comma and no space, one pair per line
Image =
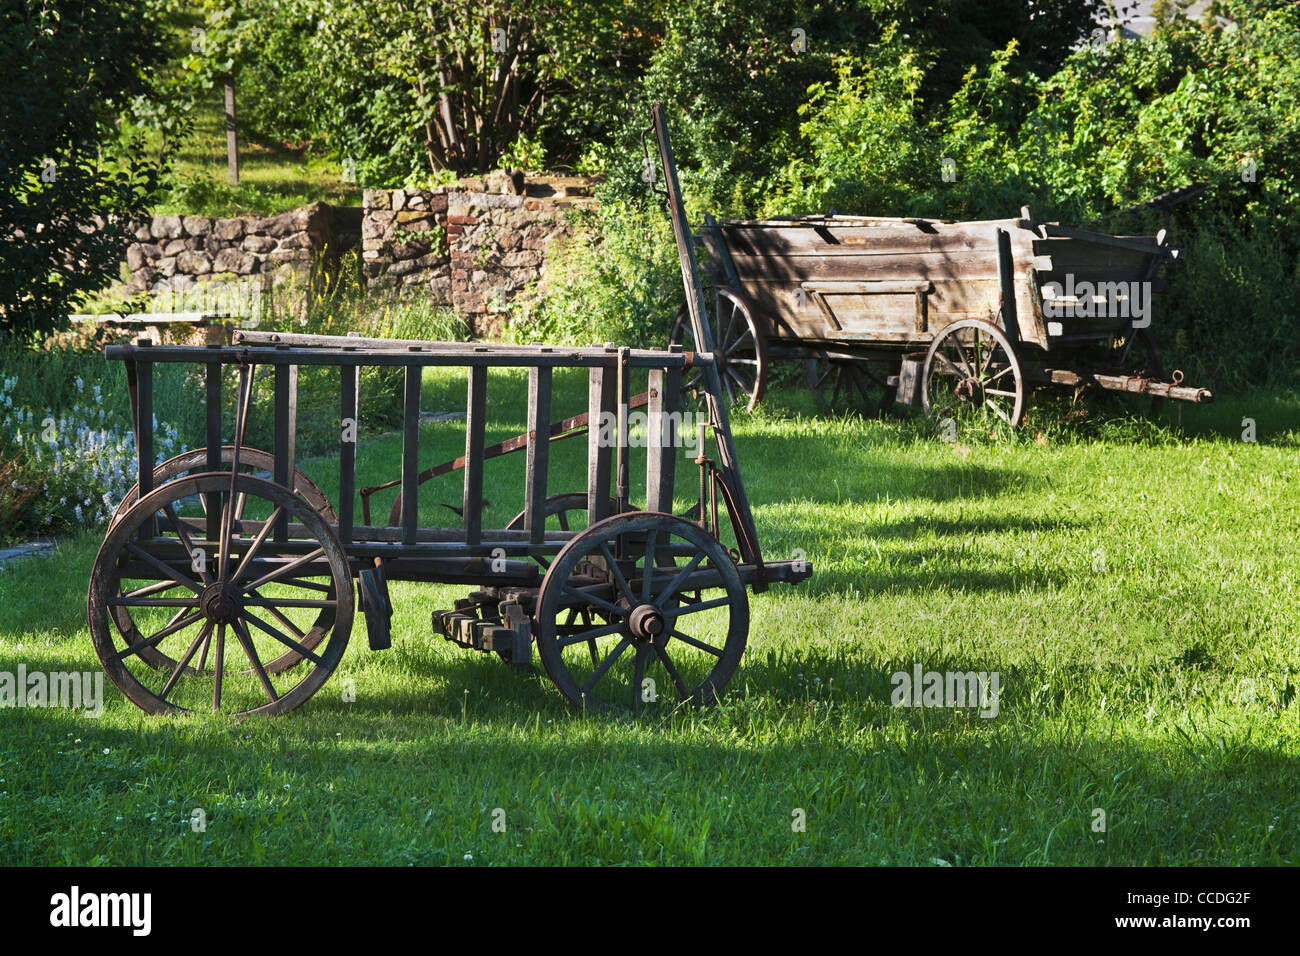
740,348
203,604
972,373
641,610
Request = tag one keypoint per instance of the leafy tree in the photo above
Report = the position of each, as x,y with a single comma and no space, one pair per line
69,184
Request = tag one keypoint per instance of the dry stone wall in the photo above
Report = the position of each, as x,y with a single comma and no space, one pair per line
474,246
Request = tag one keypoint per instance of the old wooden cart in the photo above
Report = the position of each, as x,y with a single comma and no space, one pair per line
230,553
959,317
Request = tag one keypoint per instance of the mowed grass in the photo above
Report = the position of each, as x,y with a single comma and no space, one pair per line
1136,592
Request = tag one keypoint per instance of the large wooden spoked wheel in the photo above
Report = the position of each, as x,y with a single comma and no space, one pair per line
861,383
740,347
972,375
252,461
641,610
220,617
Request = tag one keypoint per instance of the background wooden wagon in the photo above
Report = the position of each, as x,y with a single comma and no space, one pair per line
230,552
959,317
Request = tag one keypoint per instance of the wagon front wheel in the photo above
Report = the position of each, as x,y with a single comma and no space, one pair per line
216,610
641,610
739,346
973,375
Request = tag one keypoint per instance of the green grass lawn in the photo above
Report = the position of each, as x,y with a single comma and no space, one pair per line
1136,592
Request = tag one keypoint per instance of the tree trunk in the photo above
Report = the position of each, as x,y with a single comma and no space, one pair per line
232,141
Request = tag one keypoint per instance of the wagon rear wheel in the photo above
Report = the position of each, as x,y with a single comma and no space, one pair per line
972,375
861,383
639,610
252,461
205,605
740,347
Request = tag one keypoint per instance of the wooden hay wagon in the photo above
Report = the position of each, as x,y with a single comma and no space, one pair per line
958,317
226,578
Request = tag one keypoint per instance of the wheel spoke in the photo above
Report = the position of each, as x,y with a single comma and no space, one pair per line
592,599
289,602
246,639
682,689
186,542
616,571
647,575
605,665
681,576
257,543
676,612
219,664
172,573
638,676
177,623
682,636
285,569
204,631
591,635
283,638
997,410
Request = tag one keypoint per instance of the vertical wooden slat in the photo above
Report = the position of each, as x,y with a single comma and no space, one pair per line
286,426
347,450
601,399
539,443
475,415
662,441
622,488
1007,285
213,394
144,437
410,453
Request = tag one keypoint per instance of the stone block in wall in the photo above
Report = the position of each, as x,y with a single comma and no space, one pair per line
192,263
228,229
166,227
196,225
234,260
316,218
375,199
166,266
174,247
299,240
258,244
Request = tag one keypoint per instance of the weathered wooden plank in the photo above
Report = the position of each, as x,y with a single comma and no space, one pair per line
475,420
347,450
285,435
602,398
894,267
410,454
144,438
213,437
539,443
881,287
663,439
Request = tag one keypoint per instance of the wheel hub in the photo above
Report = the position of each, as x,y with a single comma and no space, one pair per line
646,622
219,604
